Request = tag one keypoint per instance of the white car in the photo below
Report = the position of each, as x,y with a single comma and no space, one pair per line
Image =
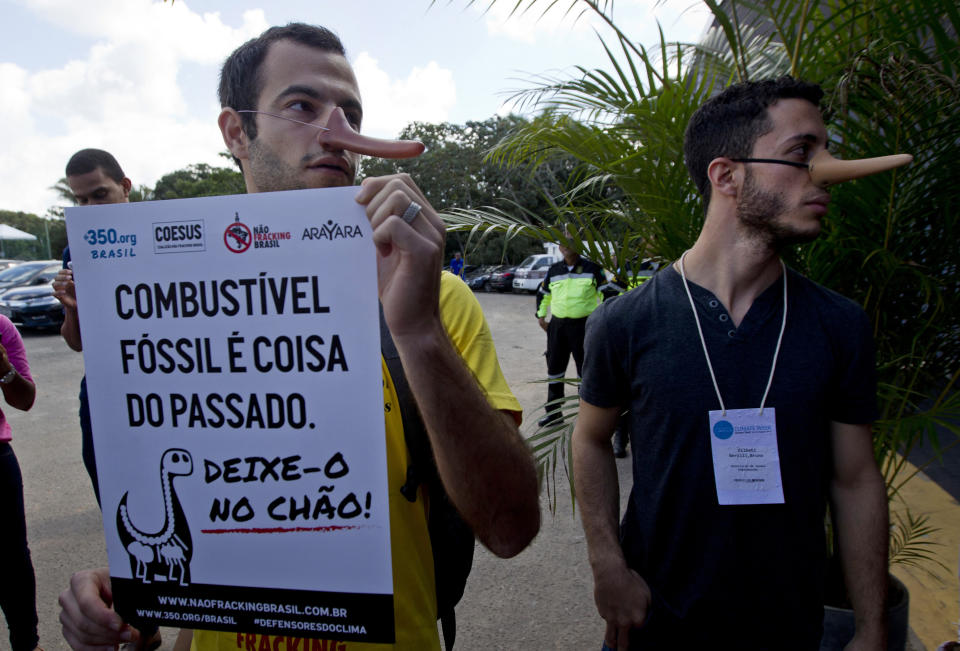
531,272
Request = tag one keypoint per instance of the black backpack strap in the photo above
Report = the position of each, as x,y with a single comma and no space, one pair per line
422,469
414,432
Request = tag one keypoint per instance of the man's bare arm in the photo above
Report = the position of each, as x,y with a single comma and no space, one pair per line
859,500
621,595
70,329
65,291
19,392
483,462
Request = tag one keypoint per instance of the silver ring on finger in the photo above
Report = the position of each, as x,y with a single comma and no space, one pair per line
411,212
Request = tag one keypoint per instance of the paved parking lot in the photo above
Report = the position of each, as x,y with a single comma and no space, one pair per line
541,599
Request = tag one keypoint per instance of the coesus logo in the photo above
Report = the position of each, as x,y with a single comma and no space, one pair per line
178,232
179,237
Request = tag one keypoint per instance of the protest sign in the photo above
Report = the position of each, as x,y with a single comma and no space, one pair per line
233,364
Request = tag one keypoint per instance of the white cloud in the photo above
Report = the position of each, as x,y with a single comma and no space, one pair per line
187,35
123,95
144,84
527,26
637,18
427,94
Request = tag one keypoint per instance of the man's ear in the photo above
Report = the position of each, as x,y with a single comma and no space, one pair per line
234,137
724,177
127,185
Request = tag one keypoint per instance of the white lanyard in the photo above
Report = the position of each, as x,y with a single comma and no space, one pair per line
703,342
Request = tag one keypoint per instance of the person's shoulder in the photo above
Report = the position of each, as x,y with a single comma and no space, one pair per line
451,283
825,299
627,305
455,295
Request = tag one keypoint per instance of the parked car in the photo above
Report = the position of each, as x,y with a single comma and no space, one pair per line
502,279
33,306
6,263
479,279
532,271
37,272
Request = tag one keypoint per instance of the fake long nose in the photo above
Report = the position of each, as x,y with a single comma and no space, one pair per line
826,170
340,135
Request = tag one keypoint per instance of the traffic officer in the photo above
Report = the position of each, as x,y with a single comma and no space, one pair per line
571,291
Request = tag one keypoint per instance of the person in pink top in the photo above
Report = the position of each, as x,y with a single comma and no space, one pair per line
18,588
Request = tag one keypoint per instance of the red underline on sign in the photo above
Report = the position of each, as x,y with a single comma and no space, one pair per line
277,529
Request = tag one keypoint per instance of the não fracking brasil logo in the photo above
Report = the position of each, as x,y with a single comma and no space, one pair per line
238,236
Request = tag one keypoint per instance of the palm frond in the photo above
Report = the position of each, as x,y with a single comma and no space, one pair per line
910,543
889,69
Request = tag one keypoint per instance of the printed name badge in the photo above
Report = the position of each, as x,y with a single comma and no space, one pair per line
746,461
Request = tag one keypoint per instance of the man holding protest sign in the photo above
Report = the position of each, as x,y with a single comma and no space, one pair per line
95,178
280,95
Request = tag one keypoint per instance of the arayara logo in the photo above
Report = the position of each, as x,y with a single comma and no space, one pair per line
331,231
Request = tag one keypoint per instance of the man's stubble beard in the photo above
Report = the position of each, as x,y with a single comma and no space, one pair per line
271,174
761,215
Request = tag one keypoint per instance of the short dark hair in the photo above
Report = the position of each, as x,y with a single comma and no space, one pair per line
240,80
88,160
729,124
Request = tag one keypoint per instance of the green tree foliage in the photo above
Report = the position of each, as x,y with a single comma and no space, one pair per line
42,228
199,180
455,174
890,72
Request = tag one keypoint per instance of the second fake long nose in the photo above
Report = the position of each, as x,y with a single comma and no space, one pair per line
340,135
826,170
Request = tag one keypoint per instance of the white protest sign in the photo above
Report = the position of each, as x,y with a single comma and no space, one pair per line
233,364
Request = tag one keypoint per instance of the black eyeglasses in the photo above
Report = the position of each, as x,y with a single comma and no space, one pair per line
771,160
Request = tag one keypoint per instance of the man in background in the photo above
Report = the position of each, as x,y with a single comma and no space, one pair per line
571,292
95,178
456,265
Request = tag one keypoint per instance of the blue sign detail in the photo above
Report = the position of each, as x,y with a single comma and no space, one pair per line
723,430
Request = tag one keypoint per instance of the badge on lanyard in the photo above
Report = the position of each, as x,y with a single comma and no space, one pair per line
746,459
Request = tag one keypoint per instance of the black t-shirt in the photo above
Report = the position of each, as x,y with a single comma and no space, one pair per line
748,575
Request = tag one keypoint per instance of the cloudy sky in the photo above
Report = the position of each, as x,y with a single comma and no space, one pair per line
138,77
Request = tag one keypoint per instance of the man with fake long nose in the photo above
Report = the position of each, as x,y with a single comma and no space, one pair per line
291,115
751,391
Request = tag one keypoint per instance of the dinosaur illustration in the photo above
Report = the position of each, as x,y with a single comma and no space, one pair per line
164,555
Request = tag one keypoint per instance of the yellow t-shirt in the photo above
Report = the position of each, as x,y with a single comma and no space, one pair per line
414,598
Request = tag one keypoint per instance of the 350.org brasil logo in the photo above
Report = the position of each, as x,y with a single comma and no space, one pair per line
107,243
